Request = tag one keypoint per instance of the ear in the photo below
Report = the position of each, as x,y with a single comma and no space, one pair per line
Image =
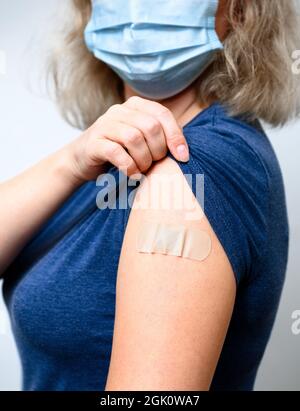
222,25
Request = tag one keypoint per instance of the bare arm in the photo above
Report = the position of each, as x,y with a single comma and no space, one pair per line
172,313
130,136
30,199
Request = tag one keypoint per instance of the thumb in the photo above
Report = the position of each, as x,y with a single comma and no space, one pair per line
178,146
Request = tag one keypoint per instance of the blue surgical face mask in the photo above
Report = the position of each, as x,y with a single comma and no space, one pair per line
158,47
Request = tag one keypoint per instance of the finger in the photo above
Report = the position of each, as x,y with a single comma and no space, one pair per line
150,127
115,154
131,138
175,139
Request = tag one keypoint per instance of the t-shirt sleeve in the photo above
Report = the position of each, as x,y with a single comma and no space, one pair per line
235,193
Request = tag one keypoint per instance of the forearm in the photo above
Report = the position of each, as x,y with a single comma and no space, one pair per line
29,199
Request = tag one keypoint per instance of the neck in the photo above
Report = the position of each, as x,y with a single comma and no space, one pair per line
184,105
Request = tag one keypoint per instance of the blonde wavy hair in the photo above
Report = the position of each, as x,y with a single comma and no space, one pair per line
252,75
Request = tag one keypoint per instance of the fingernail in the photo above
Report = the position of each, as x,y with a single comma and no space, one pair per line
183,153
136,176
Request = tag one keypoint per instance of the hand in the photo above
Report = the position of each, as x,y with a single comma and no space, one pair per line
130,136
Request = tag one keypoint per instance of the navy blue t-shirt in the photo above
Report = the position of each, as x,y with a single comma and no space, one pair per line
60,290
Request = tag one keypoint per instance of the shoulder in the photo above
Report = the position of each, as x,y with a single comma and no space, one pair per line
237,162
229,175
234,145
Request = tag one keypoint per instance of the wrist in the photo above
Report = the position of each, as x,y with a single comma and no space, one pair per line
66,166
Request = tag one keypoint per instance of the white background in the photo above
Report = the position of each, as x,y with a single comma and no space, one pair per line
30,128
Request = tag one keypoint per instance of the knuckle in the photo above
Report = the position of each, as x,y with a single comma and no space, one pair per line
163,111
112,109
134,100
113,151
132,136
153,127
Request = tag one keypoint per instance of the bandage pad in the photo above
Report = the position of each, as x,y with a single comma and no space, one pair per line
173,239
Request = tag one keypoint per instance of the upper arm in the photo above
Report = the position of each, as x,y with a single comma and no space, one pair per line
172,313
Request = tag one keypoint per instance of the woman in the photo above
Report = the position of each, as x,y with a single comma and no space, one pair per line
166,91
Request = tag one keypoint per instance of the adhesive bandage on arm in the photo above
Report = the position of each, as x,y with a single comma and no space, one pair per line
173,239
